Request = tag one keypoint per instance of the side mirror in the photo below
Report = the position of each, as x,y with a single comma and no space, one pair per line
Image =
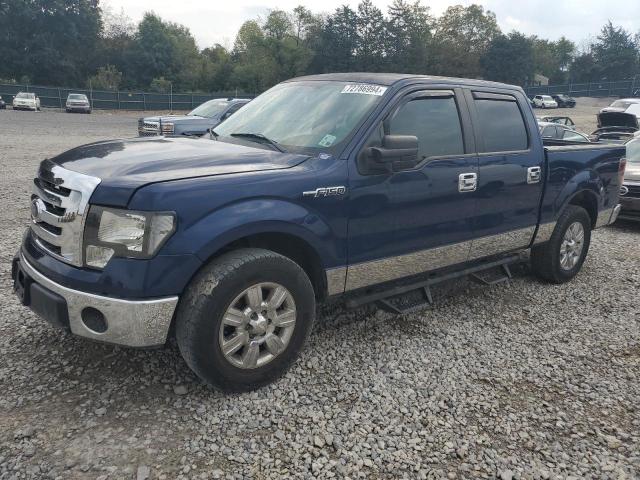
396,148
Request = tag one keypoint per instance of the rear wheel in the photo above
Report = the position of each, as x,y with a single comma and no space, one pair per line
244,318
561,258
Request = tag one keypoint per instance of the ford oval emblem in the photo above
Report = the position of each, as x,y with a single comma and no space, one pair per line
624,190
37,207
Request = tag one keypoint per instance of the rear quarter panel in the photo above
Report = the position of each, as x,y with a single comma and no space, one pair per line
575,169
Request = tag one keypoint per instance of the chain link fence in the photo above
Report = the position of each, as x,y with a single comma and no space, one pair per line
54,97
620,88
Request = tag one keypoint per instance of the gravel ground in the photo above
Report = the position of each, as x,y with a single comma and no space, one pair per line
522,381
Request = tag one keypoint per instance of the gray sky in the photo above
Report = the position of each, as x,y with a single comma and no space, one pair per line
217,21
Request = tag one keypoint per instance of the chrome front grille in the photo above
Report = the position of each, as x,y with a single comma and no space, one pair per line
633,190
59,206
148,129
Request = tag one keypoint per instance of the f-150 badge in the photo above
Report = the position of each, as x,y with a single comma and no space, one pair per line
325,192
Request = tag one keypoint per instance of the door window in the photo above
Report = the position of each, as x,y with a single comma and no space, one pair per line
501,125
436,123
549,131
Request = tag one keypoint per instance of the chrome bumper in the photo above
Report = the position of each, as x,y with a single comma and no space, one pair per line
132,323
615,213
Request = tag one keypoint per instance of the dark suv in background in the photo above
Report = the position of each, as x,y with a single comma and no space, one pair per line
195,123
564,101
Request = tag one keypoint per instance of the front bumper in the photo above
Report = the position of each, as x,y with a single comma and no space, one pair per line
78,108
132,323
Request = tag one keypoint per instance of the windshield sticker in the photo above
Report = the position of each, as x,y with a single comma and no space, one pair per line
364,89
327,140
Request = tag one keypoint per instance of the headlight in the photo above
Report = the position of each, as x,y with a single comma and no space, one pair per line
167,128
113,232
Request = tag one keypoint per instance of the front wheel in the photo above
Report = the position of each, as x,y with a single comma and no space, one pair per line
561,258
244,318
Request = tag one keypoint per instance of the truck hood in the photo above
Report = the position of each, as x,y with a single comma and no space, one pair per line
126,165
178,119
617,118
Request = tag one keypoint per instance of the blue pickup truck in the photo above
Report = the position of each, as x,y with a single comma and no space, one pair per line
339,186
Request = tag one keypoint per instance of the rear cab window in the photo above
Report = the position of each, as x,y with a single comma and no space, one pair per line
500,123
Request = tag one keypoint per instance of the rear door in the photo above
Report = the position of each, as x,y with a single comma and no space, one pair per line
510,172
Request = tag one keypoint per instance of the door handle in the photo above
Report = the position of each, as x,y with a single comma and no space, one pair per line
467,182
534,174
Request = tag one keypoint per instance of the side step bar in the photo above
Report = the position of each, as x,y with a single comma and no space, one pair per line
383,297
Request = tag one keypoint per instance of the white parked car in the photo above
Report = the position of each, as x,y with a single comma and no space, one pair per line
544,101
26,101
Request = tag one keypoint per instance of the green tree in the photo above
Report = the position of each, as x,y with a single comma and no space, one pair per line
408,37
340,40
106,78
163,49
254,68
583,68
509,59
216,69
50,41
615,53
462,36
370,46
552,59
160,85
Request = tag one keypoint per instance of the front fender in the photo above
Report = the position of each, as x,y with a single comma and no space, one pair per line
258,215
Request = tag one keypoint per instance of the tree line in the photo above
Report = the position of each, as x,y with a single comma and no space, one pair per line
78,43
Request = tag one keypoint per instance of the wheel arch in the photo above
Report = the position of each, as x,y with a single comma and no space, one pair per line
588,200
288,245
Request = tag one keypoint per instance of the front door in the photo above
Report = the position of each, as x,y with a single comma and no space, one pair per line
417,217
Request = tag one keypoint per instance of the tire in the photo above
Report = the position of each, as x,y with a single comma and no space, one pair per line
546,259
217,288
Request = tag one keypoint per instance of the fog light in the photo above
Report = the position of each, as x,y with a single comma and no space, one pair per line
98,257
93,319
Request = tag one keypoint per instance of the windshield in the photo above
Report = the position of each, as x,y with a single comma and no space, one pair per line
77,96
306,116
546,97
633,151
25,95
210,108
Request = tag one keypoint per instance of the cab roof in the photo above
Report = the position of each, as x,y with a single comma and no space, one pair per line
390,79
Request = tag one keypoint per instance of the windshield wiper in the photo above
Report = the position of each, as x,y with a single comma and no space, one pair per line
261,139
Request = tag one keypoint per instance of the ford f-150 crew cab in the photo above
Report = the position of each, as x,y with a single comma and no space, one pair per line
324,187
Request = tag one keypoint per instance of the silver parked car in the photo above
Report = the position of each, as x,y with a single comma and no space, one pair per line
556,131
78,102
630,190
